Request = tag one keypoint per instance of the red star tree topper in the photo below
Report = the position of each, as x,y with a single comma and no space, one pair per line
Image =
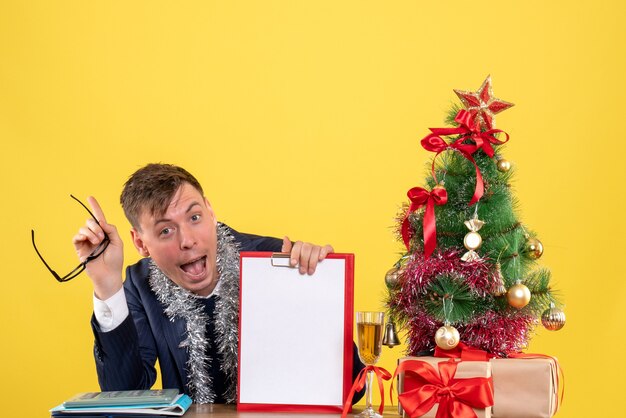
482,105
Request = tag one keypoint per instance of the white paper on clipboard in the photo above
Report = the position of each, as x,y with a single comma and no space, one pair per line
295,332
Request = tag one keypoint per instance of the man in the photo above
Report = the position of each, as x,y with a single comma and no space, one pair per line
179,304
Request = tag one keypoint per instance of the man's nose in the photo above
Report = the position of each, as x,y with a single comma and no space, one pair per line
187,238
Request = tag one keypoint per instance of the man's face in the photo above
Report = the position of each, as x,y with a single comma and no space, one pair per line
182,242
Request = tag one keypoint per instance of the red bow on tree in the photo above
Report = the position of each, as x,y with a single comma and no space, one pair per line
435,143
456,397
420,197
467,129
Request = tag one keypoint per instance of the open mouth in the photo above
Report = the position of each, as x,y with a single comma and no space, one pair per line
196,267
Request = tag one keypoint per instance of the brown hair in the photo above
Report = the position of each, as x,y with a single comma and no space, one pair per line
152,188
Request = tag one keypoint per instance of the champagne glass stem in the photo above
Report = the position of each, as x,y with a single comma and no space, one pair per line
368,389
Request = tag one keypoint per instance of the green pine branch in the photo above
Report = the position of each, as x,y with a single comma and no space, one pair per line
538,282
462,304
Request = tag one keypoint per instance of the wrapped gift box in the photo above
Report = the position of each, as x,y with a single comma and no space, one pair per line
465,369
524,387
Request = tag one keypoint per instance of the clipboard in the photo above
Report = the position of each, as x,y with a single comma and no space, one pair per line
295,334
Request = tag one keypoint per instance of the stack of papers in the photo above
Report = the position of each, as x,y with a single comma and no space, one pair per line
131,403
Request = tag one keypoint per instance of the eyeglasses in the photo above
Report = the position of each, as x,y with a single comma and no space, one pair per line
81,267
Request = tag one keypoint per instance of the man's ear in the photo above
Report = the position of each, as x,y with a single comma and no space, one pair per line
211,211
139,244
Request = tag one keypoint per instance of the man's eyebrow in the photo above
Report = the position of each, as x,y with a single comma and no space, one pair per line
189,209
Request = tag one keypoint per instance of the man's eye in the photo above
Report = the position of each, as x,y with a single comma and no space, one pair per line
195,218
166,231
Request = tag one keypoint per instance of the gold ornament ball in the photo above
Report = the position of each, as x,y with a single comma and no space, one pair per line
533,248
472,240
518,295
503,165
392,278
553,319
447,337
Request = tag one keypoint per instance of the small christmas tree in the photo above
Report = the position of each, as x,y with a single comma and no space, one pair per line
470,270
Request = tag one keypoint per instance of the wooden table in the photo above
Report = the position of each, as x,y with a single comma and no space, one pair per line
230,411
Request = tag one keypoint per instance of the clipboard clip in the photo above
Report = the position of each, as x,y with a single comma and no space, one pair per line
281,260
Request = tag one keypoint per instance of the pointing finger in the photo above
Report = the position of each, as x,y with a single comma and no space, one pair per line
97,210
109,229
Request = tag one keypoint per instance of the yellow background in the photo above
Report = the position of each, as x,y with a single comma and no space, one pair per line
304,118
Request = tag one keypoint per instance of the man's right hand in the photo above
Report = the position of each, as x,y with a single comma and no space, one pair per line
105,271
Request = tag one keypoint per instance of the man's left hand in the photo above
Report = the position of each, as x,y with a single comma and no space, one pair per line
305,255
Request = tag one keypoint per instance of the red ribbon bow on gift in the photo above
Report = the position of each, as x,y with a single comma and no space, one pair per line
456,397
469,353
465,353
420,197
359,384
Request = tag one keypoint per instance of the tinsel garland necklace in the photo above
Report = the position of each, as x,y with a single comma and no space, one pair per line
182,304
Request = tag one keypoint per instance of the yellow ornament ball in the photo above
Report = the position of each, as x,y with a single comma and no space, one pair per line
533,248
447,337
392,278
553,319
518,295
503,165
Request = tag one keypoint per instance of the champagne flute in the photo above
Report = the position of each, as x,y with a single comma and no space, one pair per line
369,327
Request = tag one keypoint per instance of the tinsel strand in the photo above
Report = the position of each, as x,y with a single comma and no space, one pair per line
227,308
495,332
181,304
